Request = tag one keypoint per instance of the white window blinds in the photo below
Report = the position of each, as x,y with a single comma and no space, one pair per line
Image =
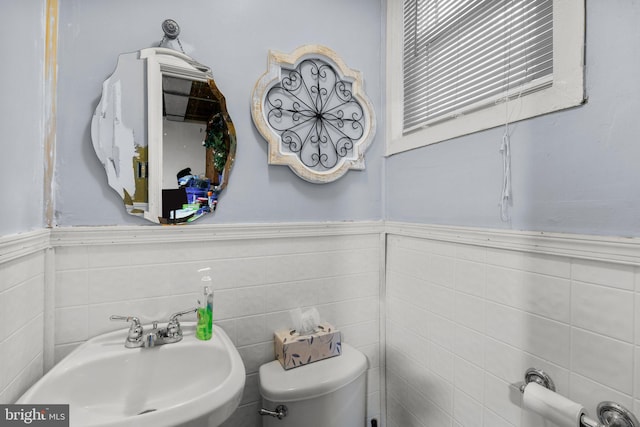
462,55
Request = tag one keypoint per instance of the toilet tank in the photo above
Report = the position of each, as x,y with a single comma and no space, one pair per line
327,393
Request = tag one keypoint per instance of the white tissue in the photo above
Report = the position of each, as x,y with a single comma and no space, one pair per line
552,406
305,322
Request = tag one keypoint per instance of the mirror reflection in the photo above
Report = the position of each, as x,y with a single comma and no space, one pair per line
167,153
193,119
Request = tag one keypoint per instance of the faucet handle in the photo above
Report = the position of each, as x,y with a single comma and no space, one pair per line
135,331
174,316
174,332
135,320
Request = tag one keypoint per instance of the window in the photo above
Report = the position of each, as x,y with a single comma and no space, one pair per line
460,66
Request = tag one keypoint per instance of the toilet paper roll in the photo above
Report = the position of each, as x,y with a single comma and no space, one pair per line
552,406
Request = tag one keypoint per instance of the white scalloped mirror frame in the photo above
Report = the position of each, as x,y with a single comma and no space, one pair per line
312,110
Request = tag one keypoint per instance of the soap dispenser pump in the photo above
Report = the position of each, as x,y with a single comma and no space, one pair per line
204,328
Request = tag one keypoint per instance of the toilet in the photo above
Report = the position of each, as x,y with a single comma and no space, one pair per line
327,393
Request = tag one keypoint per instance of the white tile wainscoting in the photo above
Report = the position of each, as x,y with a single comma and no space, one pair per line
259,273
468,311
458,313
23,262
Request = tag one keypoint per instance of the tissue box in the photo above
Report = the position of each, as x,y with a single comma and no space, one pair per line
293,349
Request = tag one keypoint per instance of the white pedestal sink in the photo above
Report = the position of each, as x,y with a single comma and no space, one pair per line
188,383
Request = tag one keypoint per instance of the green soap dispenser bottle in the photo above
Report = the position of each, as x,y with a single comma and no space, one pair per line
204,328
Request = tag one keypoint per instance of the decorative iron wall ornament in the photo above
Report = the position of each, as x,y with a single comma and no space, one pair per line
313,112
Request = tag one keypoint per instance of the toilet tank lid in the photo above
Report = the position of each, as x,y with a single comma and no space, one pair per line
312,380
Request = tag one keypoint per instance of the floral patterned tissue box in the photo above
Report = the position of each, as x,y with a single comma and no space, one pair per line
293,349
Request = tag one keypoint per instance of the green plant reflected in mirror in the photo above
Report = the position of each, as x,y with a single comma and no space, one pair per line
164,136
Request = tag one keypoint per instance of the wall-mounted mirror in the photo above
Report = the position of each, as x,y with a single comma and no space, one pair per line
164,136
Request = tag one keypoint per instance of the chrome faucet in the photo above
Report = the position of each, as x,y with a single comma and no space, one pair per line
151,338
137,337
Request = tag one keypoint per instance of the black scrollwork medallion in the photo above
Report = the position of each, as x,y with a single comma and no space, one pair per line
315,114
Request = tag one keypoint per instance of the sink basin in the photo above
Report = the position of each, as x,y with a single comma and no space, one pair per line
188,383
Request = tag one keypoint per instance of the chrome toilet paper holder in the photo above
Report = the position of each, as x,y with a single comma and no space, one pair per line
535,375
610,414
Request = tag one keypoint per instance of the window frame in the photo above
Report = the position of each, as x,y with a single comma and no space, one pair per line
566,91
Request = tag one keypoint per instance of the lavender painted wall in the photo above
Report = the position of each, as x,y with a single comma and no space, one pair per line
22,115
233,38
575,171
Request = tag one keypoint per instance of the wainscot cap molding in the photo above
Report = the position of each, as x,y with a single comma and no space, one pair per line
619,250
18,245
115,235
